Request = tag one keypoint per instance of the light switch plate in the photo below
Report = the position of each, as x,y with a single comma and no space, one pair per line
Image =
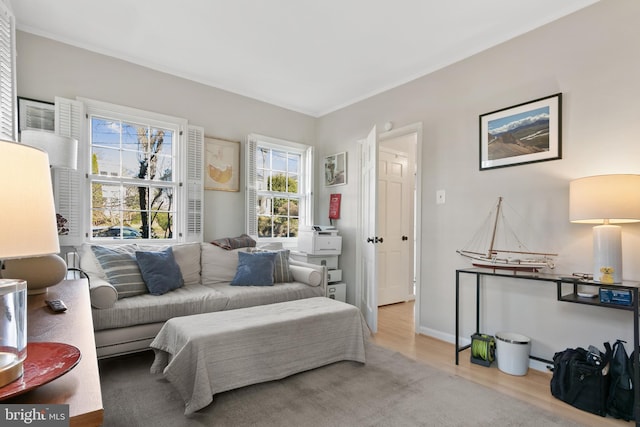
440,197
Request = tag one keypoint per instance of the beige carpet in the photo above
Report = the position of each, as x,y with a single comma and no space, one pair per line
390,390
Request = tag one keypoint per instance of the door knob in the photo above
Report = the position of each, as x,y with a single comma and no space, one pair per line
405,238
378,239
370,240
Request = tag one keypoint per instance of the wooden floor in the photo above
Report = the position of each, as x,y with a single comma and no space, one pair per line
396,331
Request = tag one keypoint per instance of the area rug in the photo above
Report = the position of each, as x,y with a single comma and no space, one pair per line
389,390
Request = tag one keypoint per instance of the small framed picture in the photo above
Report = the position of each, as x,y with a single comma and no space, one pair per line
34,114
222,164
335,169
525,133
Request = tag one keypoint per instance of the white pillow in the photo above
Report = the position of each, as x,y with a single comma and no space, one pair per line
306,275
102,293
187,256
218,265
89,263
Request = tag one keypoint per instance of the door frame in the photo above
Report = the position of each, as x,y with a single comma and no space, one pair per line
405,130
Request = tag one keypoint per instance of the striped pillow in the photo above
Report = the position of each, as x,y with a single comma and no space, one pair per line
281,271
121,268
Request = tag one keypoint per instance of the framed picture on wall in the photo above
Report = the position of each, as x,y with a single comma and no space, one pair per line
524,133
221,164
34,114
335,169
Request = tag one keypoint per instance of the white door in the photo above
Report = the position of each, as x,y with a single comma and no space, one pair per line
368,230
395,220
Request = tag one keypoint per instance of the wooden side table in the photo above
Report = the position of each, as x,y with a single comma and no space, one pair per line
80,387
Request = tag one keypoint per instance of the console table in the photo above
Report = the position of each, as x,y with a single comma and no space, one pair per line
80,387
570,295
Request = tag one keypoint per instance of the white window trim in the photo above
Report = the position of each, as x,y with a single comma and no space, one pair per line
8,98
72,118
306,192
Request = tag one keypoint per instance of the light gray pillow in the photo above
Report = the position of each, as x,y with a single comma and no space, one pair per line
218,265
121,268
187,256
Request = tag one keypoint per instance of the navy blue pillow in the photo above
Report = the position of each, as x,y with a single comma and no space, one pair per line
254,269
160,271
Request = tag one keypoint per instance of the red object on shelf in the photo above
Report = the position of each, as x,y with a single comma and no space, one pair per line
45,362
334,206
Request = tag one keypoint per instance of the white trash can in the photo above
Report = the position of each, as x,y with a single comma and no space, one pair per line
512,353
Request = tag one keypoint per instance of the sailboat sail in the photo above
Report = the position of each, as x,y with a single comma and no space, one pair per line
504,249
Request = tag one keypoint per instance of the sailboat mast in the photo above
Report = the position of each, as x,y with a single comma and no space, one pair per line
495,228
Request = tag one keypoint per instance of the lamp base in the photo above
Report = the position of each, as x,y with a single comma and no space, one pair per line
39,272
607,254
10,368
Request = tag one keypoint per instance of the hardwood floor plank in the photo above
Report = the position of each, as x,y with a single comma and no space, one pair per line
396,331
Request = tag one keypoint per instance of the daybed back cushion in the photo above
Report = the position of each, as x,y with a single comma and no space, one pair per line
121,268
218,265
188,258
88,262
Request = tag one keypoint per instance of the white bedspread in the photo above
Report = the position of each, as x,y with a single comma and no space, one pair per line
205,354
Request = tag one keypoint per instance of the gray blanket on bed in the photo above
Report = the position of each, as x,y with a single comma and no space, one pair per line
205,354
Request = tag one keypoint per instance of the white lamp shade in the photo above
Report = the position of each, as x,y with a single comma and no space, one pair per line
27,219
605,198
62,150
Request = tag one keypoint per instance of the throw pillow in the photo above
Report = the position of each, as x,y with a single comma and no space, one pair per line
160,271
218,265
229,243
254,269
281,270
120,266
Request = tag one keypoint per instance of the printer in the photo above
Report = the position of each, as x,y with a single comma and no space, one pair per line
319,240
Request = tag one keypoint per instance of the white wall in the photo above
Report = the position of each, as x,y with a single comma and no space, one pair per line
47,69
592,58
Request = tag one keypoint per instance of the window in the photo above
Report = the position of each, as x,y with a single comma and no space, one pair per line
143,175
132,178
7,72
279,191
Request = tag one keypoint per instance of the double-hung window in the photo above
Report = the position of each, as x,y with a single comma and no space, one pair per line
133,181
142,174
279,196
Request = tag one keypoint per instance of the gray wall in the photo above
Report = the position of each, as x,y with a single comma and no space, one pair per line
592,58
46,69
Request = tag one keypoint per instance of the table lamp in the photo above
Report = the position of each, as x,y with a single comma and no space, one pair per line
605,200
27,228
44,271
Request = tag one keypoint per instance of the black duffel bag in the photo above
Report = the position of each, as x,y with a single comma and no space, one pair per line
581,378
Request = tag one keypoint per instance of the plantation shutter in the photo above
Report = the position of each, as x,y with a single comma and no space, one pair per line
251,194
195,183
68,184
8,122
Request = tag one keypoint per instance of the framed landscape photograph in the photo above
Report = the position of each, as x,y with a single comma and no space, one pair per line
221,164
525,133
335,169
34,114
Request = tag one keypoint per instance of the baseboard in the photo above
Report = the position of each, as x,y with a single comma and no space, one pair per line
442,336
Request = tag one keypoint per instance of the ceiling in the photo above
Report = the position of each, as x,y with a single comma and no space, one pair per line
313,57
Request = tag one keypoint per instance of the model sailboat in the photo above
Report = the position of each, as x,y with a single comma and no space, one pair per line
516,257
